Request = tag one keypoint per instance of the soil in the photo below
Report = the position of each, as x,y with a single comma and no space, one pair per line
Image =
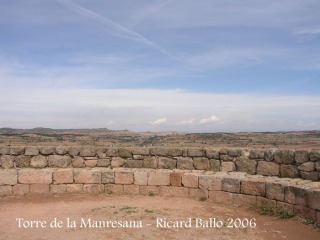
139,210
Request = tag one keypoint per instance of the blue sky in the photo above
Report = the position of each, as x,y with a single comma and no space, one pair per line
160,65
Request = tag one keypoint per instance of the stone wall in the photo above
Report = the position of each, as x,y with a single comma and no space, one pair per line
284,178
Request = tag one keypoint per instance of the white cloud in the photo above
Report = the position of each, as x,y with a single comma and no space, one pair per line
158,121
209,120
186,122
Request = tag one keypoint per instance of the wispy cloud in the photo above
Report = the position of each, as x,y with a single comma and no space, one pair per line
158,121
186,122
209,120
115,28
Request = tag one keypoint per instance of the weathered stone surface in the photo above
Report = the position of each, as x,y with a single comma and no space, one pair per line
31,151
62,161
74,188
150,162
315,156
173,191
210,183
39,188
123,177
7,161
86,176
269,154
307,167
313,199
103,162
196,152
58,188
244,164
5,191
22,161
317,166
284,156
201,163
140,177
176,179
87,152
227,167
61,150
234,152
111,188
301,156
242,200
212,154
138,157
166,163
124,153
256,154
91,163
41,176
93,188
16,150
231,185
174,152
226,158
8,177
4,150
149,190
63,176
159,151
117,162
107,177
306,212
295,195
185,163
289,171
268,168
190,180
141,151
131,189
112,152
214,165
46,150
264,201
313,176
20,189
73,151
198,193
223,151
275,191
159,178
220,197
39,161
78,162
253,187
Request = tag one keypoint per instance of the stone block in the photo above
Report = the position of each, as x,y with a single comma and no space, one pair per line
307,167
198,193
295,195
39,161
90,163
74,188
20,189
166,163
317,166
212,154
123,177
269,154
231,185
176,179
244,164
112,188
159,178
61,150
289,171
150,162
63,176
140,177
103,162
227,167
159,151
282,205
234,152
305,212
107,177
130,163
242,200
124,153
86,176
201,163
268,168
138,157
131,189
314,155
7,161
214,165
264,201
196,152
220,197
112,152
211,183
8,177
253,187
58,188
185,163
59,161
93,188
190,180
16,151
78,162
256,154
41,176
275,191
284,156
5,191
117,162
73,151
313,199
173,191
22,161
301,156
149,190
87,152
31,151
313,176
39,188
226,158
174,152
141,151
46,150
4,150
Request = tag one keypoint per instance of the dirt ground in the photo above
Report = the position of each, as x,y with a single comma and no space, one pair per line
83,216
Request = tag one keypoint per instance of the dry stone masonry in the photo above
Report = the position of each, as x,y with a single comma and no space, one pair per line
284,178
